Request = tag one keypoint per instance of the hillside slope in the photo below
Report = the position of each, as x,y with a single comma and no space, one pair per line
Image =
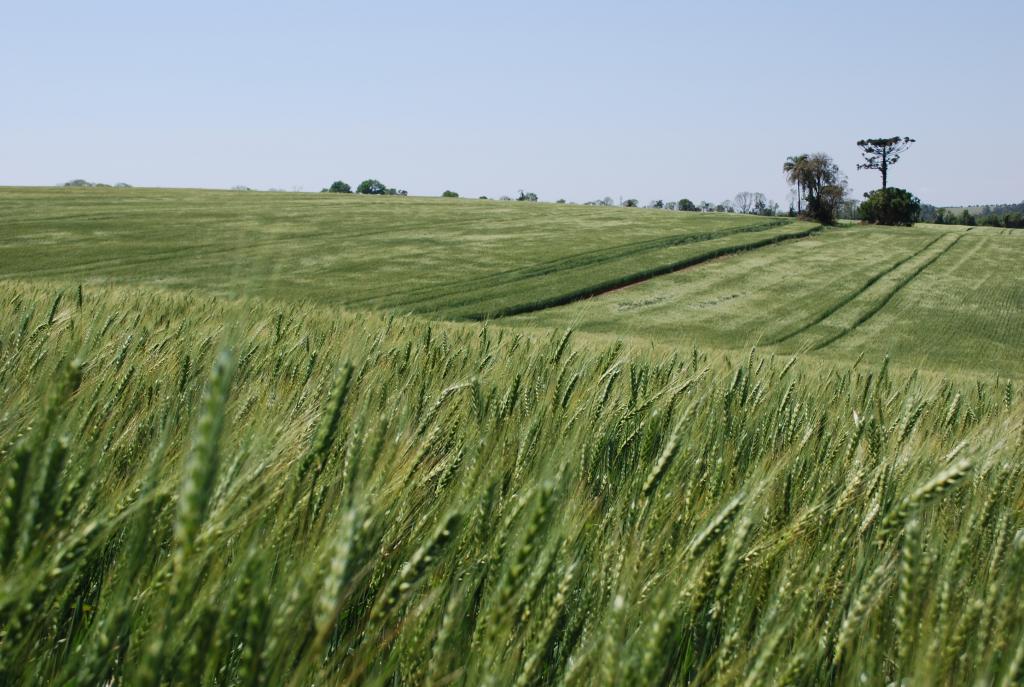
938,297
424,255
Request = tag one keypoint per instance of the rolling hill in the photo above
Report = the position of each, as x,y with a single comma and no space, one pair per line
942,298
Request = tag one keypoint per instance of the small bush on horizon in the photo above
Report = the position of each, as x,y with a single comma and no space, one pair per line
339,187
372,187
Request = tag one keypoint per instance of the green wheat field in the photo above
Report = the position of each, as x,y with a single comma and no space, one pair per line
313,439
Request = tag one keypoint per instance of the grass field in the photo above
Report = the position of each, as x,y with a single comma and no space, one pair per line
940,298
453,258
945,299
227,456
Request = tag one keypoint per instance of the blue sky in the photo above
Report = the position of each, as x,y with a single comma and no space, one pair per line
568,99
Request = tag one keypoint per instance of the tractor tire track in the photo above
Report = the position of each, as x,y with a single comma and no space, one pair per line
831,310
589,258
636,278
885,301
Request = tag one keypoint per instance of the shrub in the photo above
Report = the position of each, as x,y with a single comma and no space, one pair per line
340,187
449,194
824,206
895,206
372,187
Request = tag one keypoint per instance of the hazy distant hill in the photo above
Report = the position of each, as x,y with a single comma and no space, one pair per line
1010,215
82,183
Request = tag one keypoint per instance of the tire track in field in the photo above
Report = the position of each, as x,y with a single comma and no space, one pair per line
595,256
885,301
979,243
831,310
637,278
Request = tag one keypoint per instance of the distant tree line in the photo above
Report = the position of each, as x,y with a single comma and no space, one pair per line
1009,216
746,202
82,183
370,187
821,193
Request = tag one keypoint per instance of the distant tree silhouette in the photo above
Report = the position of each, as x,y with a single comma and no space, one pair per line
793,168
882,153
745,201
824,187
372,187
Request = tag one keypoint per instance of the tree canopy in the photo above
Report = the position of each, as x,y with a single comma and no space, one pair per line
372,187
882,153
793,168
820,182
893,206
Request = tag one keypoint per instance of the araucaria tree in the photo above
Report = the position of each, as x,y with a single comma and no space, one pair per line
882,153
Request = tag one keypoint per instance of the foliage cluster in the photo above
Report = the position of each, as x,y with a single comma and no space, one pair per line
819,183
892,206
1007,216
